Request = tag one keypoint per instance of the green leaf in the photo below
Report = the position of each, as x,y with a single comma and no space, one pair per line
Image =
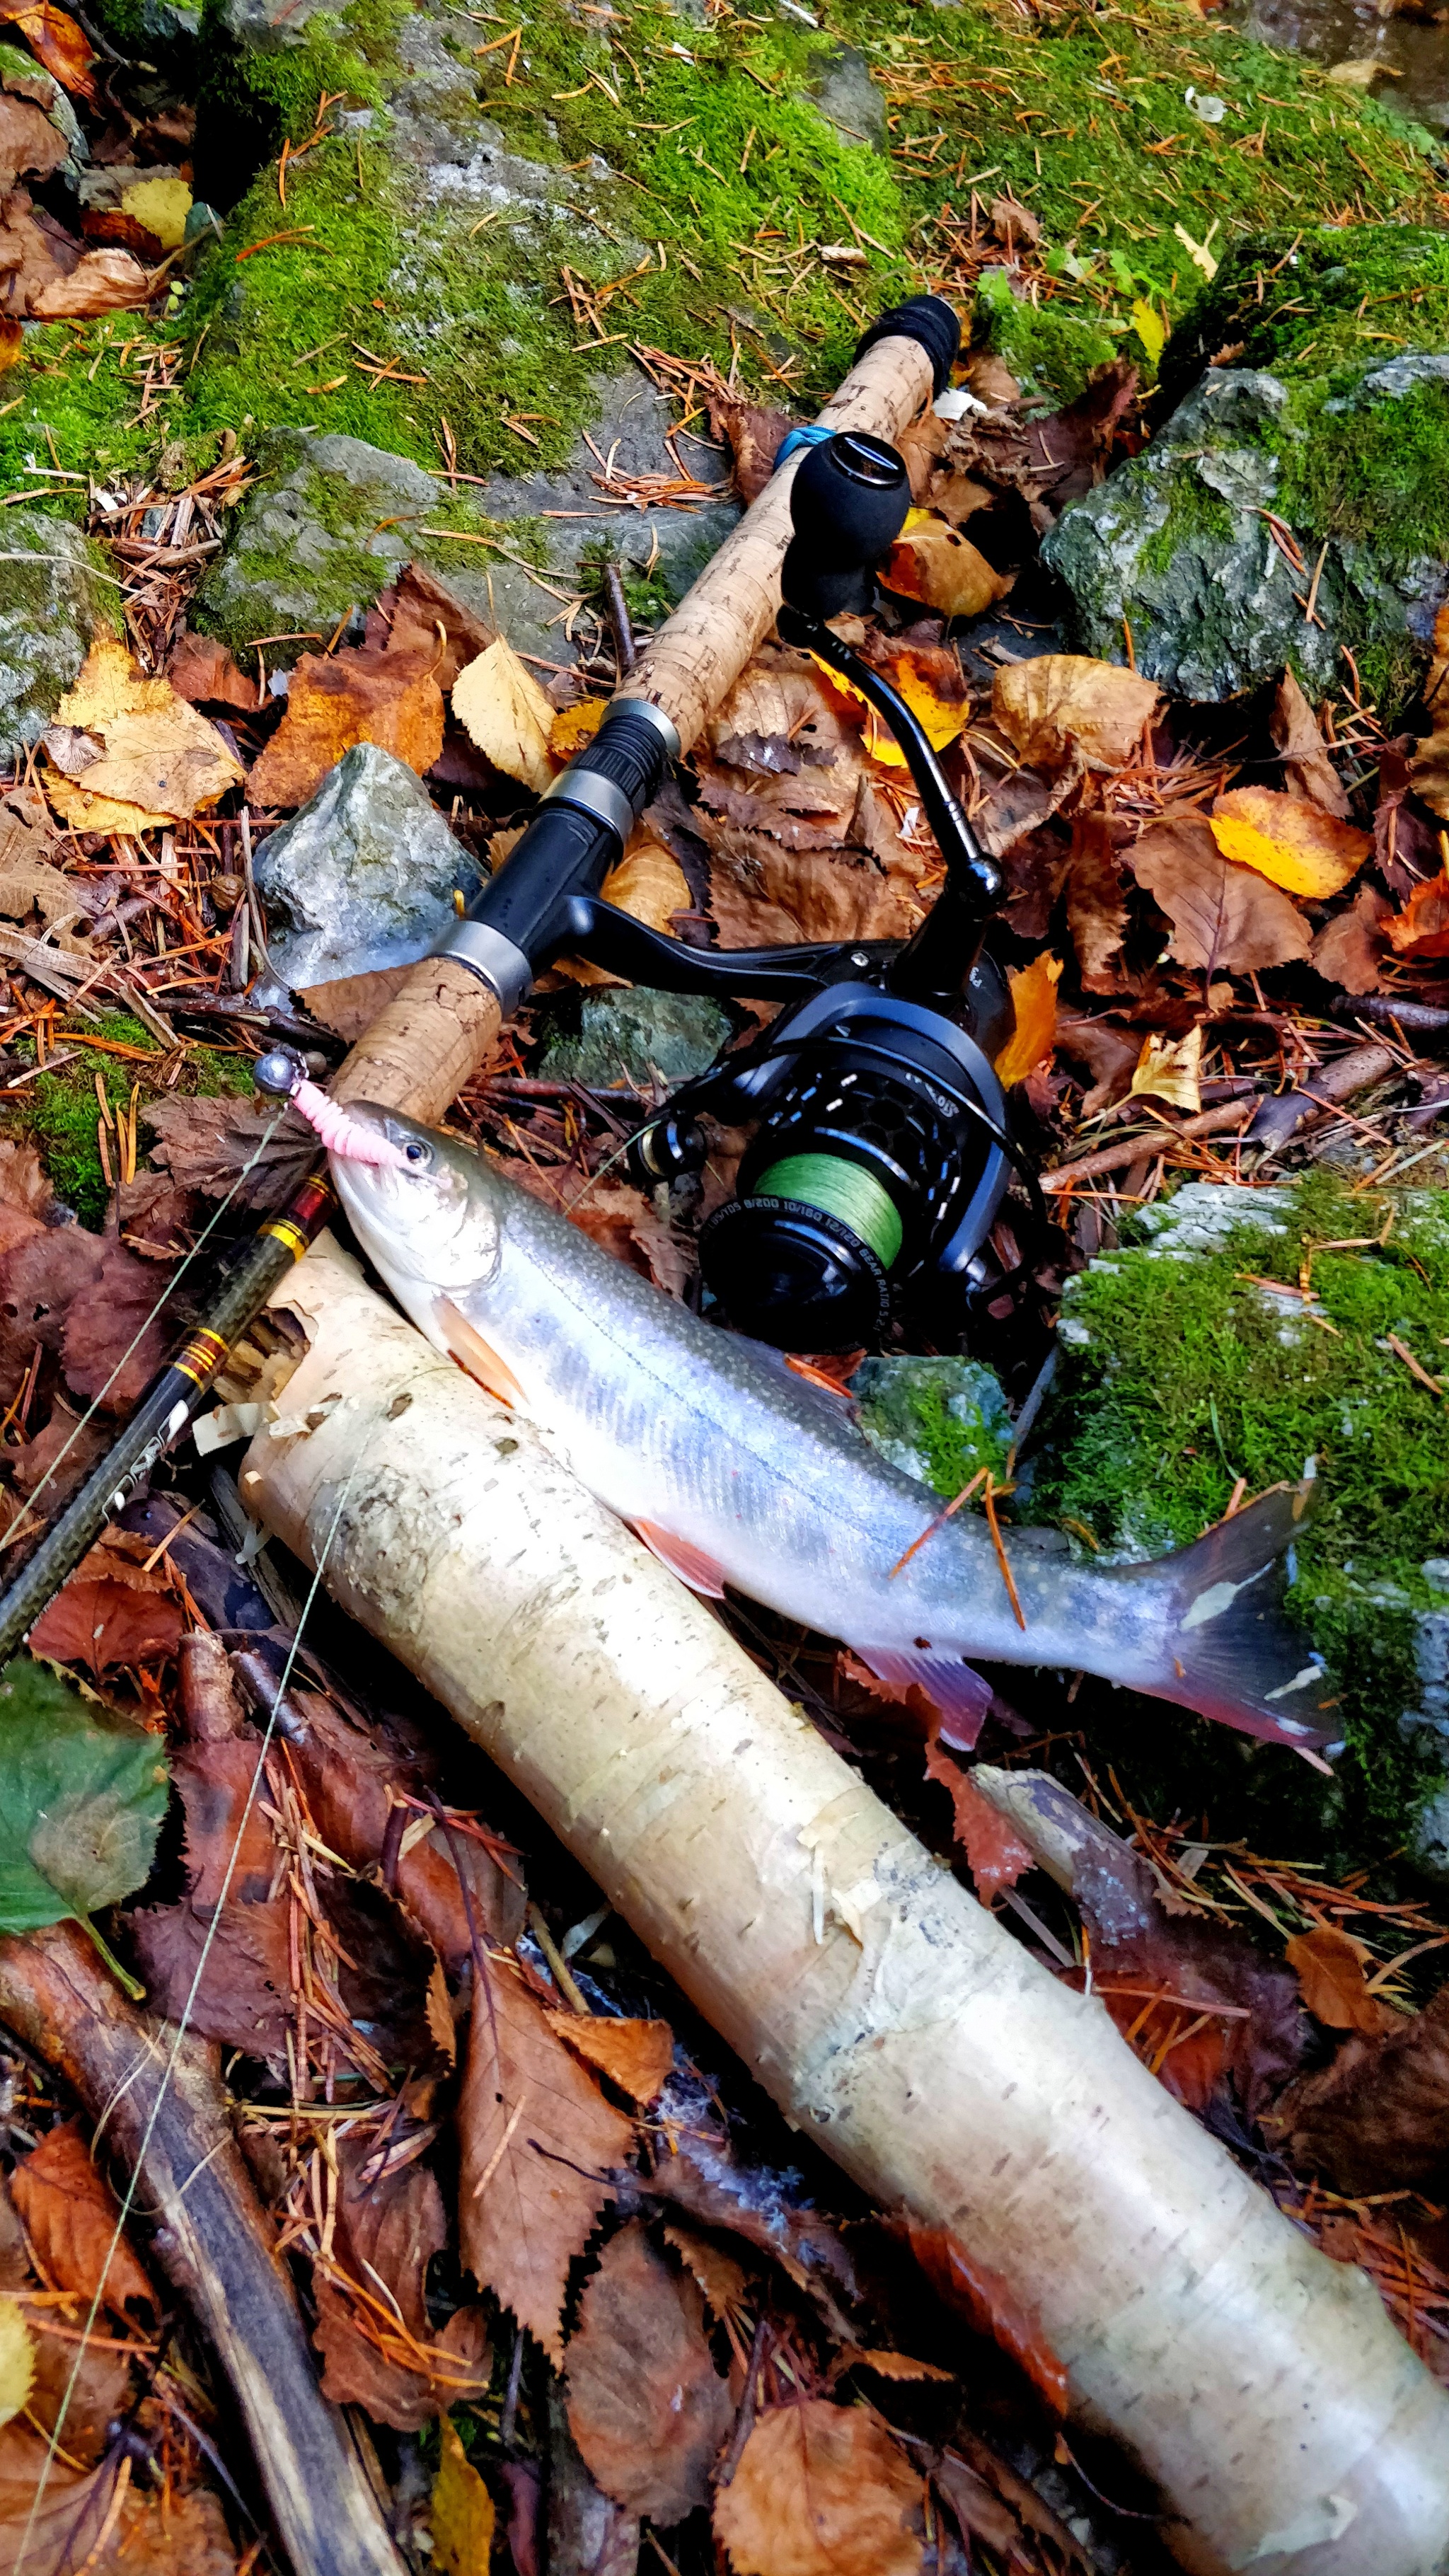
82,1795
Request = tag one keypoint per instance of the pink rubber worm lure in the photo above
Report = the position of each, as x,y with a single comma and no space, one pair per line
342,1134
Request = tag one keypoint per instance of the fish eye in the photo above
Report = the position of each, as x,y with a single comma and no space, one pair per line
417,1153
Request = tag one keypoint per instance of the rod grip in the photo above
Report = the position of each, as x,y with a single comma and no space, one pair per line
426,1043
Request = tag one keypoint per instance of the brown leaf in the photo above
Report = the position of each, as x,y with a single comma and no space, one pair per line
1377,2119
719,2191
53,2532
723,2280
990,379
161,761
1107,1049
1225,919
980,2514
635,2055
1013,224
407,618
1096,912
102,2384
104,1623
113,1342
754,436
933,562
821,2490
647,2407
991,2306
112,224
245,1994
1330,1969
388,2229
779,717
1421,930
647,883
55,40
538,2142
1290,841
1033,1036
1349,949
362,694
35,251
230,1845
105,281
1307,769
28,142
995,1855
1063,704
763,896
220,1145
1429,771
71,2217
42,1270
202,671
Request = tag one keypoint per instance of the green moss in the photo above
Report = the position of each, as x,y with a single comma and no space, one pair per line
1302,304
939,1419
1371,464
1193,511
1191,1377
1051,350
58,1112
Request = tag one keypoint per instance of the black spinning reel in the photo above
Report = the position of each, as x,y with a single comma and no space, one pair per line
881,1152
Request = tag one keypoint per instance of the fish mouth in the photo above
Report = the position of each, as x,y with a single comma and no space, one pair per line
411,1217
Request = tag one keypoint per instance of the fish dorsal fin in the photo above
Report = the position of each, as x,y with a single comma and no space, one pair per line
700,1572
958,1695
467,1346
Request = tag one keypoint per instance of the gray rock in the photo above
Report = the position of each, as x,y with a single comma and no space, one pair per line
363,875
307,547
848,99
628,1038
938,1420
1175,542
268,26
54,602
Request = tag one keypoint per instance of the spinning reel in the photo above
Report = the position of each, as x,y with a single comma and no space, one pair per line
882,1152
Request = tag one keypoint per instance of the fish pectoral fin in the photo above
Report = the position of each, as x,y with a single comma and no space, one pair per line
958,1695
467,1346
700,1572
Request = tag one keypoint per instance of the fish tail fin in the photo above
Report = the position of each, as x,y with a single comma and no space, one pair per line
1231,1652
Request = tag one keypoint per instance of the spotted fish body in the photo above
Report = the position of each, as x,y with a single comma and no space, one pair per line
739,1472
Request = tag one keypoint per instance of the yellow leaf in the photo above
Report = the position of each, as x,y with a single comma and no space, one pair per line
1034,1000
1198,251
1170,1071
1289,840
941,719
649,883
162,205
932,561
159,761
462,2512
572,727
504,711
17,2360
1150,328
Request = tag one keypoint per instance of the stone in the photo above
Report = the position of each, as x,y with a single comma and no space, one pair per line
849,100
938,1420
363,876
329,524
54,602
629,1038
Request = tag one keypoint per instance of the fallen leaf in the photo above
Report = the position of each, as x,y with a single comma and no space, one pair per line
17,2360
108,224
462,2516
763,895
995,1855
362,694
1097,915
103,1623
647,2407
1306,764
1150,327
55,40
504,711
225,1145
1291,842
1012,223
572,727
202,671
1421,930
896,2365
754,435
162,205
73,2220
52,2528
388,2228
105,281
931,681
1034,1002
990,379
1377,2118
438,2006
780,717
991,2306
715,2188
28,142
113,1341
417,613
1061,704
1349,949
1436,686
242,1995
230,1849
83,1798
980,2514
1108,1049
12,341
723,2281
162,762
1225,918
635,2055
933,562
538,2143
821,2490
1171,1069
1429,772
1329,1965
648,883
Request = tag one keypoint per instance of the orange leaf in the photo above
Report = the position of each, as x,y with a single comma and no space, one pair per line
931,561
71,2216
990,2305
1293,843
56,41
635,2055
1224,918
820,2490
995,1855
1034,999
931,684
103,1623
1422,928
359,695
12,341
1329,1966
572,727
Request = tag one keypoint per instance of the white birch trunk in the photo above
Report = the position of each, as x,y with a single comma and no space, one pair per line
888,2014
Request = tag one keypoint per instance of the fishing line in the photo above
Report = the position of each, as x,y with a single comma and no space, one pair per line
172,1284
183,2025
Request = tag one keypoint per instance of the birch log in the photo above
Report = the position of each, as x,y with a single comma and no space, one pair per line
890,2016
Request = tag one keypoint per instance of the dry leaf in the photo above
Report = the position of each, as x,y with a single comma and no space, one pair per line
28,142
362,694
1436,686
202,671
991,2306
1034,1000
438,2007
635,2055
1330,1970
161,206
1429,771
12,341
1349,949
995,1853
17,2360
572,727
504,712
821,2490
1171,1069
933,562
161,763
1293,843
1096,913
104,281
55,40
1108,1050
72,2218
650,884
754,435
1063,703
896,2365
417,613
102,1623
723,2280
1376,2119
765,896
1224,918
647,2407
1306,765
1422,928
1013,224
462,2516
538,2144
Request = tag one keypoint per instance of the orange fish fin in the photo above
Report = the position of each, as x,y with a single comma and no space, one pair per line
692,1566
478,1357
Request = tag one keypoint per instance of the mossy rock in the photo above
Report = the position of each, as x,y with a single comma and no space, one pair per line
1052,350
1305,304
941,1419
57,1111
55,599
1182,1372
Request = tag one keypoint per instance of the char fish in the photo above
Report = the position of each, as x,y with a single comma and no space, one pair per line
737,1471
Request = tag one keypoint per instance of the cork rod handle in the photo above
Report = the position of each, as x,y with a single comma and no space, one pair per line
439,1028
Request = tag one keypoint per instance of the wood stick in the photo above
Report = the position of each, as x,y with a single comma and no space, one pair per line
1334,1083
893,2018
431,1038
212,2240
